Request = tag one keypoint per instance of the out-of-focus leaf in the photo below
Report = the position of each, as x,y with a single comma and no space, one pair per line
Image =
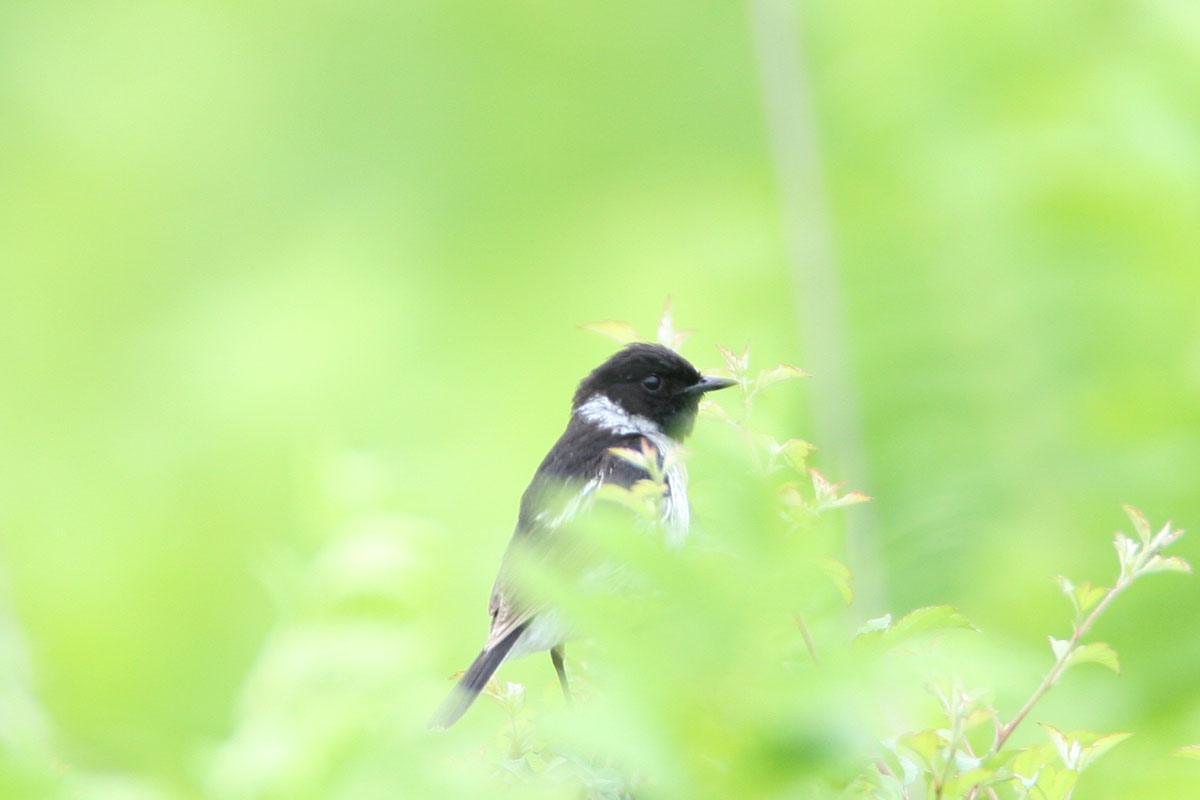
1059,647
959,785
667,335
791,496
925,744
923,620
1140,524
1065,585
874,785
1166,537
1083,596
1191,751
827,493
783,372
616,330
511,696
909,769
766,443
738,365
876,625
1055,784
1167,564
795,452
645,459
710,409
1127,550
643,498
1097,653
1099,747
852,499
647,488
1080,749
1067,747
1029,762
841,576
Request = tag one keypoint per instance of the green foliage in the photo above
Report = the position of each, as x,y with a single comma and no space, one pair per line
693,685
940,762
281,282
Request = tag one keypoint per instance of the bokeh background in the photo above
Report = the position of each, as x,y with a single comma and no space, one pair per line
289,315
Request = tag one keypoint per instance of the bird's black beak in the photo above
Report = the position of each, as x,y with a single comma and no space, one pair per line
709,383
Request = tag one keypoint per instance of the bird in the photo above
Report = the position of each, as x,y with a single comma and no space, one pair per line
644,396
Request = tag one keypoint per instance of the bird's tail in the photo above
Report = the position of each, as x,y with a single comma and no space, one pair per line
473,681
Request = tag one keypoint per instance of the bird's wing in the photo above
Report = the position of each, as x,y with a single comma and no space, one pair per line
563,485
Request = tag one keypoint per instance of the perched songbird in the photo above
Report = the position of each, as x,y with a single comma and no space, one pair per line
644,393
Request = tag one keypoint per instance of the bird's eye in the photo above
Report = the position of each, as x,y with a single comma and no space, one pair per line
652,383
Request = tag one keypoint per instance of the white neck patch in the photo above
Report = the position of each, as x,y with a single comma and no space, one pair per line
603,412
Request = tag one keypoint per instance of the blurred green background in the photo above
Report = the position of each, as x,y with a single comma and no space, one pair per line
289,308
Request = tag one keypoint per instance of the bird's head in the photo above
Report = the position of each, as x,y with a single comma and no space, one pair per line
651,382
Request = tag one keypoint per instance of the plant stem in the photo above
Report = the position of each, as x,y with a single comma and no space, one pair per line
1060,664
808,640
954,713
808,226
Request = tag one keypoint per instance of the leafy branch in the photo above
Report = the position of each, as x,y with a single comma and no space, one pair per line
942,759
1137,558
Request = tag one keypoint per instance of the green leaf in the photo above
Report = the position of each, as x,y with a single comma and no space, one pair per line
959,785
738,365
852,498
791,496
1068,748
1096,653
1140,523
978,716
795,452
1055,784
1166,564
923,620
715,411
614,329
1078,750
642,498
1127,551
1165,537
1029,763
667,335
925,744
1089,595
840,574
1068,589
1083,596
876,625
766,443
827,493
1059,647
646,488
1099,747
509,695
645,459
637,458
1191,751
909,770
774,375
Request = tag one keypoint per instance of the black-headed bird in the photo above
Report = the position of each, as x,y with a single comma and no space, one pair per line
645,393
